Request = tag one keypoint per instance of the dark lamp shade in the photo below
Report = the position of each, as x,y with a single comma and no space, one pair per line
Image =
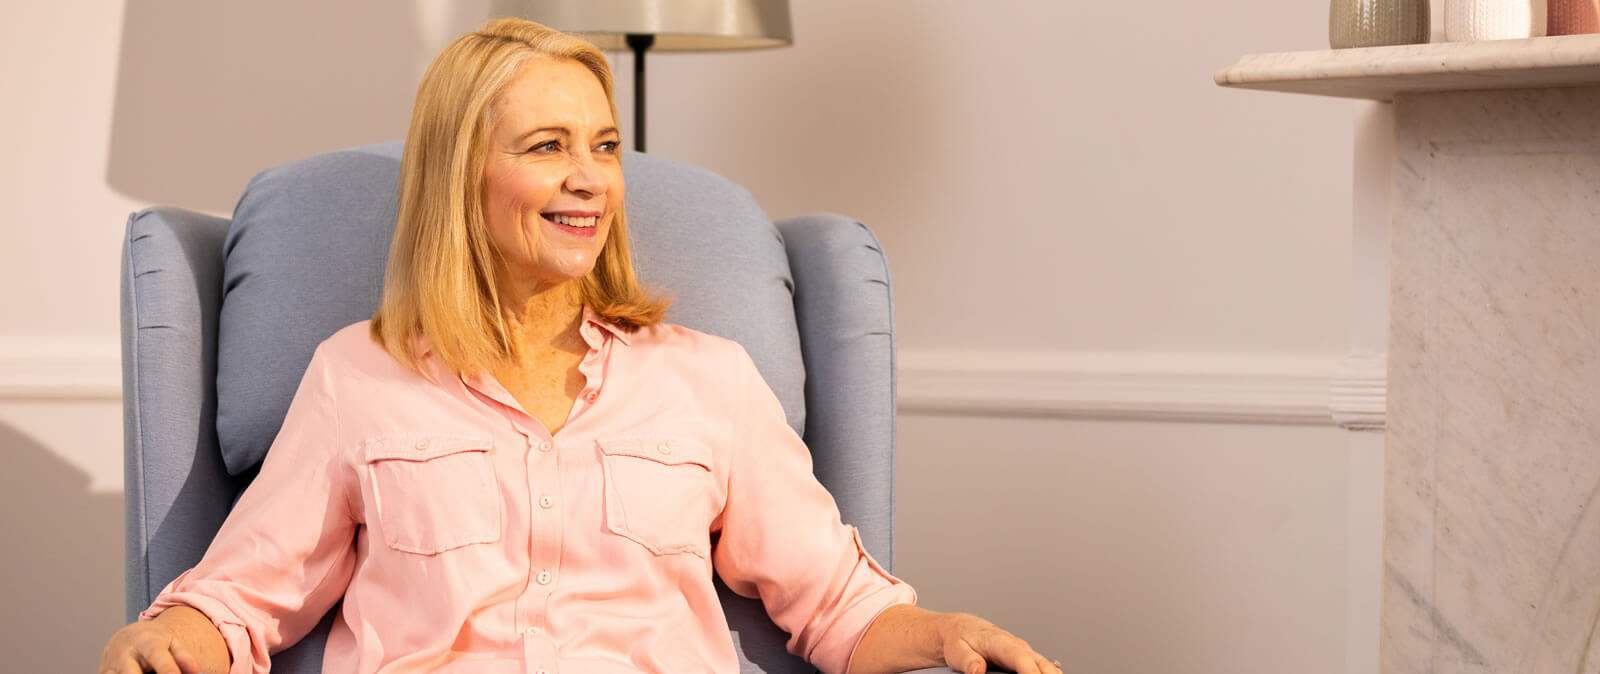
678,25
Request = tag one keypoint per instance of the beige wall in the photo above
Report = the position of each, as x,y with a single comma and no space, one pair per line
1058,178
1134,547
1070,160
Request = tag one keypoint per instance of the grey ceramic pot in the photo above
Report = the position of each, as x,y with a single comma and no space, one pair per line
1375,23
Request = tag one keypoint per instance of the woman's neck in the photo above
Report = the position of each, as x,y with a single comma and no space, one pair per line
544,318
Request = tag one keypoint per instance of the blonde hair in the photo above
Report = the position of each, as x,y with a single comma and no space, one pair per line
439,284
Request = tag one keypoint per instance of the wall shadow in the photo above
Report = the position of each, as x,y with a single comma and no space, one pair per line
735,112
63,572
209,93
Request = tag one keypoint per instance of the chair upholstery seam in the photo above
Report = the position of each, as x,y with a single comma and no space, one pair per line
894,381
141,517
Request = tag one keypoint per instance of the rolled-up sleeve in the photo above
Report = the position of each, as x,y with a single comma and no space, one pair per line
285,554
783,542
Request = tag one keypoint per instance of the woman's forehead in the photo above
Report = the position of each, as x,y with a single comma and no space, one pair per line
550,91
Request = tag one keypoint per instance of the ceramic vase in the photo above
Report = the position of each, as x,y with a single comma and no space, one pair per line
1573,17
1470,20
1375,23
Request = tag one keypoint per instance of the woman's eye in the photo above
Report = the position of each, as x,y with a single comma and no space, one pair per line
551,146
608,146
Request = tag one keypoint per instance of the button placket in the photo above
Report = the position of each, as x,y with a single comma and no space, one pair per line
538,652
543,482
593,368
547,521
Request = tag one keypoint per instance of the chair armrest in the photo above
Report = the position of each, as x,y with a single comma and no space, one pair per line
845,311
176,490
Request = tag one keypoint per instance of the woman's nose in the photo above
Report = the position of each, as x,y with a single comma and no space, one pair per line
586,177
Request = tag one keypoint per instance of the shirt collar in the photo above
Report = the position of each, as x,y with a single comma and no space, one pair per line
424,347
594,330
598,321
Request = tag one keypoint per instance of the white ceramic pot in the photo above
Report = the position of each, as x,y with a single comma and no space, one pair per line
1469,20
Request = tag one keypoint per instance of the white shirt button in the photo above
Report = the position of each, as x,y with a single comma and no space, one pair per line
532,631
422,444
664,448
590,396
546,502
545,446
543,578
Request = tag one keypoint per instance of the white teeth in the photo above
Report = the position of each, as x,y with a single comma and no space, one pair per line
573,222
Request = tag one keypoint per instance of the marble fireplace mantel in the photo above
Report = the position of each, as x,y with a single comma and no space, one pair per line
1379,73
1479,215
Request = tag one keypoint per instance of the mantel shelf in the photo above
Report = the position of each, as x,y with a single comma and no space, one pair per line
1379,73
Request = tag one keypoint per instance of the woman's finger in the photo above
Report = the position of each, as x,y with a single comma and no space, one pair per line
124,665
1049,666
963,658
1025,664
186,661
1013,653
160,661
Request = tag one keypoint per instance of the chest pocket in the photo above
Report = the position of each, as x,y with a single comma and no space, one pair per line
659,492
433,492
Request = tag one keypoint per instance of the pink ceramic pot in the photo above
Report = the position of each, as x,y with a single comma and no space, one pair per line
1573,17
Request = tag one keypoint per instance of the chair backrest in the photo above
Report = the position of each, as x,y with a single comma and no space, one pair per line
304,256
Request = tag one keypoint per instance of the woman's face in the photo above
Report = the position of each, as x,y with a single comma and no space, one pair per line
552,179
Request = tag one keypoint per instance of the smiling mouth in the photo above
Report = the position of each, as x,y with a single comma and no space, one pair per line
571,221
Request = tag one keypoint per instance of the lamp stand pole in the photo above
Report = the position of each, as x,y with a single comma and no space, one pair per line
639,43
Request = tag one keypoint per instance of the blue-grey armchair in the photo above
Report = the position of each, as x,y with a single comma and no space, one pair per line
220,317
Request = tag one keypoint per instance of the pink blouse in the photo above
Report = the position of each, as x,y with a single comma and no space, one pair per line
463,536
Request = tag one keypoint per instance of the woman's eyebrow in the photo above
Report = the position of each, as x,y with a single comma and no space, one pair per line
533,132
610,130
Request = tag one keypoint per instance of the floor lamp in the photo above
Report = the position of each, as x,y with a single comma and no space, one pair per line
640,26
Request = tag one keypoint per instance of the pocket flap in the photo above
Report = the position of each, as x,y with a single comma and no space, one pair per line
422,446
660,449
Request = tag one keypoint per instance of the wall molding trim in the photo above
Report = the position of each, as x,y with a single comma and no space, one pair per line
60,368
1359,391
1305,389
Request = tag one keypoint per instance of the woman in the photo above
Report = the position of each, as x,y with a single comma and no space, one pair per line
515,465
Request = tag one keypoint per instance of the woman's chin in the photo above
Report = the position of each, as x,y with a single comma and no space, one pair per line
553,275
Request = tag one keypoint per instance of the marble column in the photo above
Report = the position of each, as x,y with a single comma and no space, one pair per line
1492,486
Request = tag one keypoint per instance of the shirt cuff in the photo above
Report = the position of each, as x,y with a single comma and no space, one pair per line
835,651
232,628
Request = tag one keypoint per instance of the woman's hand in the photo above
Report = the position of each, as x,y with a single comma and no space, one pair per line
972,644
180,641
906,637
